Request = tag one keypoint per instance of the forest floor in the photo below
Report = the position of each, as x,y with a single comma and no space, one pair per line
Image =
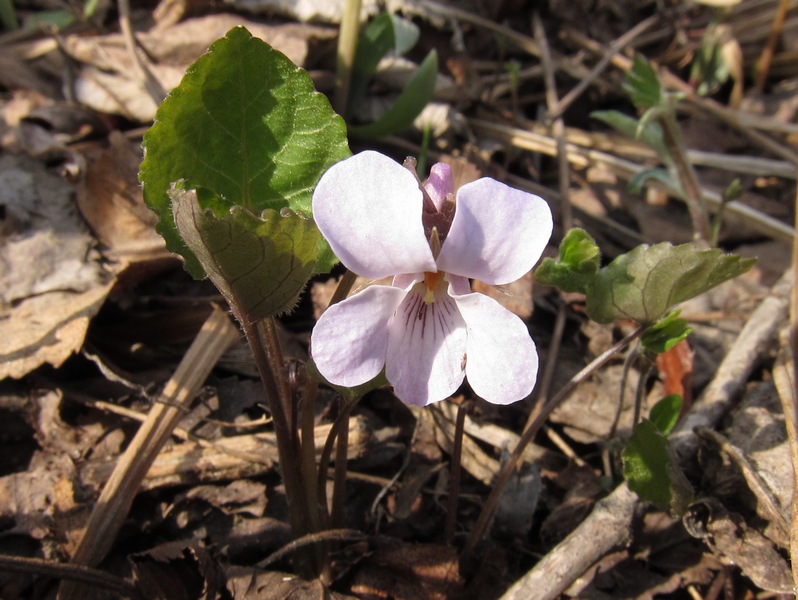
96,316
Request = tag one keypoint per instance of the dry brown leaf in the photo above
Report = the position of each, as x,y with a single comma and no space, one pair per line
46,247
240,496
108,82
731,538
175,571
588,412
50,284
112,203
33,498
249,583
409,572
676,371
759,431
46,329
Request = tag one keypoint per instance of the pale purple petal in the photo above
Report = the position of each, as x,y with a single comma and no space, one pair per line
368,207
498,232
406,280
426,346
502,362
439,184
459,285
350,340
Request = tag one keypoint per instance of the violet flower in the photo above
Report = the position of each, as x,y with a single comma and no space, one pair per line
427,329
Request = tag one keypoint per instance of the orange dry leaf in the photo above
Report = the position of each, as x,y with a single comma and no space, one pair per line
676,371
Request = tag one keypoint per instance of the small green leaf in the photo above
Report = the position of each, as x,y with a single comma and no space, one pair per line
278,249
665,413
650,135
50,19
651,472
408,105
375,41
642,84
246,124
89,8
576,265
405,34
665,333
733,191
647,282
386,33
639,179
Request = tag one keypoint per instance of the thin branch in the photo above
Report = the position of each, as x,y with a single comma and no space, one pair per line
68,572
615,47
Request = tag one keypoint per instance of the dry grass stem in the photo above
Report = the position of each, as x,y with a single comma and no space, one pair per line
626,169
216,336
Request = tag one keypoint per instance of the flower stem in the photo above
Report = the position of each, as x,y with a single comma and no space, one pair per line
308,441
265,345
454,477
341,458
342,420
344,286
526,437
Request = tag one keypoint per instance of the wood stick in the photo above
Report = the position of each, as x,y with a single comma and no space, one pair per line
216,336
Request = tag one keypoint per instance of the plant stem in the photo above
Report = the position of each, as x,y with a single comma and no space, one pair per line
262,337
341,458
342,420
8,16
308,441
627,367
528,435
691,188
344,286
454,477
645,371
347,46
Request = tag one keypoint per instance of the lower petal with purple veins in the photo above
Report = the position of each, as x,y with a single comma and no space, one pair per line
426,345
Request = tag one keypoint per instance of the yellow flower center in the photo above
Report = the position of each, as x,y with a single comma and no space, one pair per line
431,280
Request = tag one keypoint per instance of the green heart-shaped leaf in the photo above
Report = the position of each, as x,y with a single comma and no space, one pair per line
647,282
280,249
247,125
